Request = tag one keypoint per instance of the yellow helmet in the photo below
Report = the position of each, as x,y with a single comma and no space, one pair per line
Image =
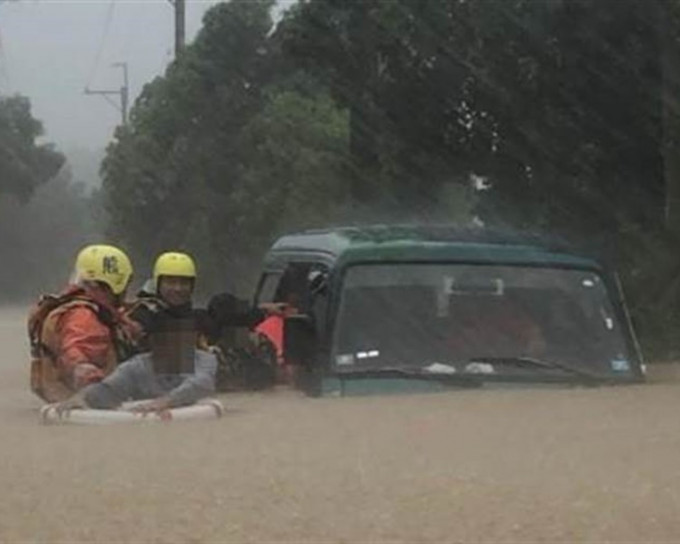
174,264
106,264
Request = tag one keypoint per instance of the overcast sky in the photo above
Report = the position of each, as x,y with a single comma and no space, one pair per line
51,50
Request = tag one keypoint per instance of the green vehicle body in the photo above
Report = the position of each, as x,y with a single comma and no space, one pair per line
337,251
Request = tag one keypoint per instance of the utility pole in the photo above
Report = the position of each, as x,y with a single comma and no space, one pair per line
124,90
122,93
180,13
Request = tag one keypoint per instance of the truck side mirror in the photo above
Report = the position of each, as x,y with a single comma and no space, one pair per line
299,349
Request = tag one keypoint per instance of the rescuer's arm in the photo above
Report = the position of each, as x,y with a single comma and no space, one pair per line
85,344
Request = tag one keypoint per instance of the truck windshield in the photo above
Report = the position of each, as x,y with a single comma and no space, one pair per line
454,316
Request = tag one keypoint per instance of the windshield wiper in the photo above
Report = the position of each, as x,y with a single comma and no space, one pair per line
539,363
415,374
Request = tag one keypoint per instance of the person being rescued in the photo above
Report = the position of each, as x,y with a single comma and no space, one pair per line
299,291
172,367
78,336
247,358
174,373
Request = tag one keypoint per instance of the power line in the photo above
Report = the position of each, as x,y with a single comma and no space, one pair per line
102,42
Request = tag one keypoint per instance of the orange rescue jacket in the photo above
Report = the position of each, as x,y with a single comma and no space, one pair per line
68,330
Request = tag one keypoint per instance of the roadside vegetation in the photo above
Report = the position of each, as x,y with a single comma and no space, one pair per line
44,212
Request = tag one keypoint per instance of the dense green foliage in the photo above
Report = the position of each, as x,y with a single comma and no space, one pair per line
548,115
217,149
556,104
24,164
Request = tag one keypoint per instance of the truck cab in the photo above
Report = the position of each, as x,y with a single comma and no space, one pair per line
401,307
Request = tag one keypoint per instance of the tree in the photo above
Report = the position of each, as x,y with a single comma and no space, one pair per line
229,146
169,169
24,164
292,160
556,104
392,65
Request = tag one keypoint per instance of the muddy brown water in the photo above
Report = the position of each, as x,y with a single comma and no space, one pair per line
524,465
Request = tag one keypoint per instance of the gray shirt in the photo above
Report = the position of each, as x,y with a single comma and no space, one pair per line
135,379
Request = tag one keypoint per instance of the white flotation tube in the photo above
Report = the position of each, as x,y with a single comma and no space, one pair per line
203,409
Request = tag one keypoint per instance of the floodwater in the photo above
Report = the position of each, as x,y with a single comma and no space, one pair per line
528,465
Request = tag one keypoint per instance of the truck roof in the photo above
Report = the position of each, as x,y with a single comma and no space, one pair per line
436,243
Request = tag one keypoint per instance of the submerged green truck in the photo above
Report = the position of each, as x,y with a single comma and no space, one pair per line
391,308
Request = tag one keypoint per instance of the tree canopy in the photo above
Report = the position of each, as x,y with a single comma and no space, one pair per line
25,163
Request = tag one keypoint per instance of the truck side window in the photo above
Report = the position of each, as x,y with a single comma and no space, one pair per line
293,288
268,287
298,284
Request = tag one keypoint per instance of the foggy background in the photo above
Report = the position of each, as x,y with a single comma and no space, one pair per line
51,50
